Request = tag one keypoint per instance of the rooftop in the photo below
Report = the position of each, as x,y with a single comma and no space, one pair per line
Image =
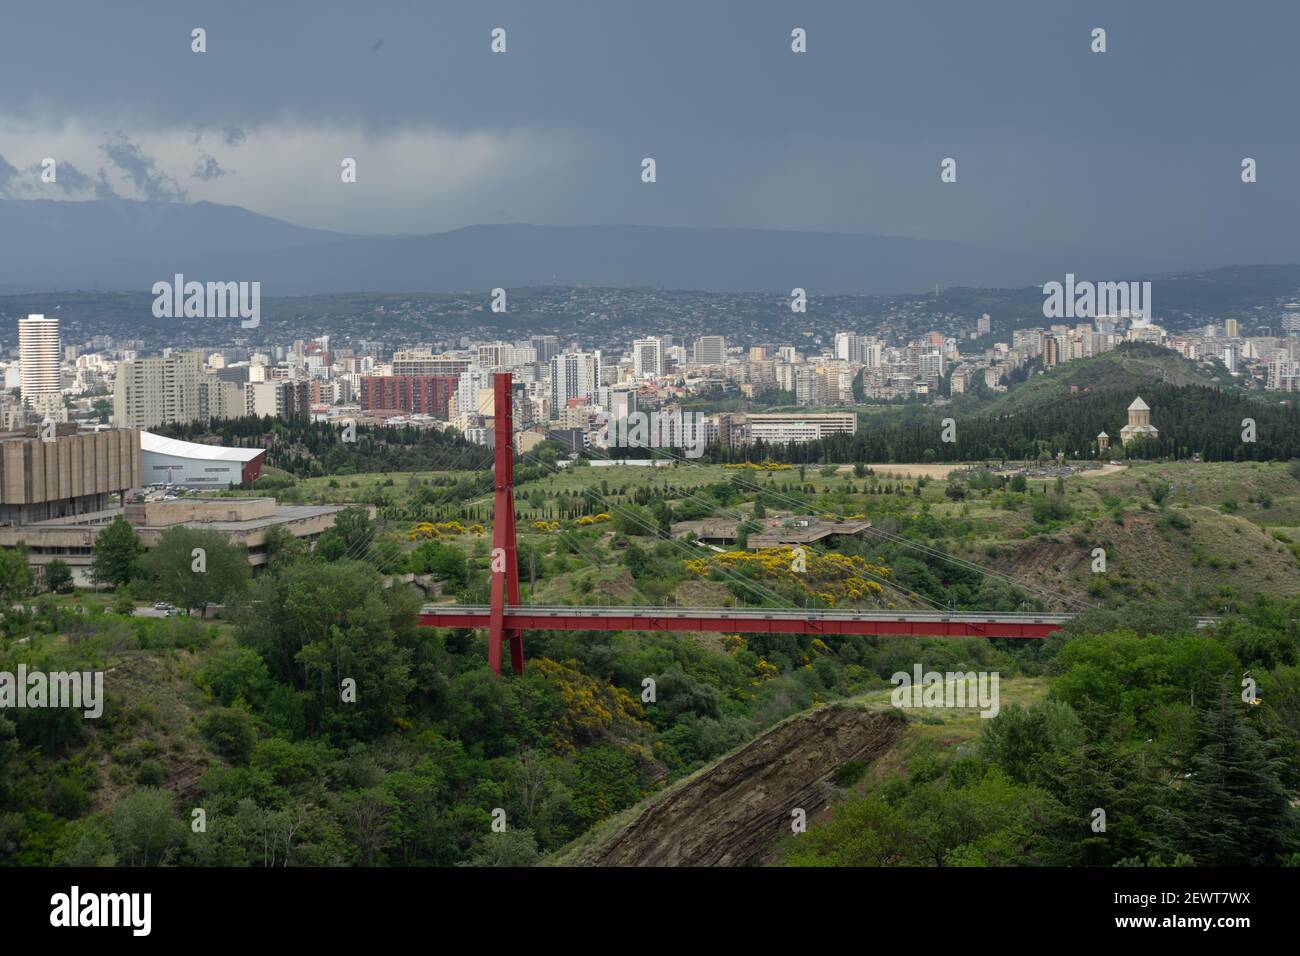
188,449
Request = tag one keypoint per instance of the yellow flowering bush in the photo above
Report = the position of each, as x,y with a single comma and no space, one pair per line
426,530
831,577
592,708
760,466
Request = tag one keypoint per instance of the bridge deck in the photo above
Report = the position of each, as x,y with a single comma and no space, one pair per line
749,620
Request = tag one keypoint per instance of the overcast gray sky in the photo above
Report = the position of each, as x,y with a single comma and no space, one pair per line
1135,150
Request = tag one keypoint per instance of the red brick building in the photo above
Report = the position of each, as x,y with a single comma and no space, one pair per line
412,394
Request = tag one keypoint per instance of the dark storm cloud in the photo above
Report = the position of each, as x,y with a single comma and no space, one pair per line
7,176
1138,148
28,184
143,170
207,169
103,188
69,179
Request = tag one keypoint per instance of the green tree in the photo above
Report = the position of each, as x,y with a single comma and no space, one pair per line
229,731
445,562
356,531
9,757
117,554
193,567
58,576
145,829
607,783
1233,808
507,848
317,625
282,546
15,575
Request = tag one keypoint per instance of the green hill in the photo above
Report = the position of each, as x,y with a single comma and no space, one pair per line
1127,369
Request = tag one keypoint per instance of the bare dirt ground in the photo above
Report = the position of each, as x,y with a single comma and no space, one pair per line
1106,469
939,472
935,471
729,813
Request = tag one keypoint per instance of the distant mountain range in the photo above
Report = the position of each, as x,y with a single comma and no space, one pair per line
125,245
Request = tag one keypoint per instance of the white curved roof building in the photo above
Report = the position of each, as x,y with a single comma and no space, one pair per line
170,461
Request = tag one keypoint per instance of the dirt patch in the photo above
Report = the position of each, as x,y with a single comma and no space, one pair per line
1144,559
935,471
1106,469
729,813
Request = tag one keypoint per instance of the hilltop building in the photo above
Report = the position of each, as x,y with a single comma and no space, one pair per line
1139,423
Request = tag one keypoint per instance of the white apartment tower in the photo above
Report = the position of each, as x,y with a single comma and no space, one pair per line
574,375
647,357
39,352
851,348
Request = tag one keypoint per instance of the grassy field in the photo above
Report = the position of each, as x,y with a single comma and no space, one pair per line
1206,533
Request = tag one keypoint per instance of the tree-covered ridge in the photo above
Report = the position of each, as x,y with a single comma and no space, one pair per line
303,447
1192,420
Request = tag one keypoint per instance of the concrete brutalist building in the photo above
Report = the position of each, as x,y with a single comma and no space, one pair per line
57,495
70,474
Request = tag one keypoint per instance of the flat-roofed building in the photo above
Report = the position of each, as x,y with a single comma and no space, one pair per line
73,473
39,353
785,428
411,394
159,390
243,521
805,529
414,362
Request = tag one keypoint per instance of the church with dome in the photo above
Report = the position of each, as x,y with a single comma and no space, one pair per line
1139,425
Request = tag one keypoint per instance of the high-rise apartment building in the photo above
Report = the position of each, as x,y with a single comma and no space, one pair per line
548,346
221,398
710,350
39,351
157,391
278,399
809,387
574,375
647,357
505,355
417,362
848,347
413,394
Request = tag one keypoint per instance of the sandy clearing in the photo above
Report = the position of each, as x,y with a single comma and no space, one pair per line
941,471
912,471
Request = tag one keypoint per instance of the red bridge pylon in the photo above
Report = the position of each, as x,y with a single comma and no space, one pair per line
505,564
